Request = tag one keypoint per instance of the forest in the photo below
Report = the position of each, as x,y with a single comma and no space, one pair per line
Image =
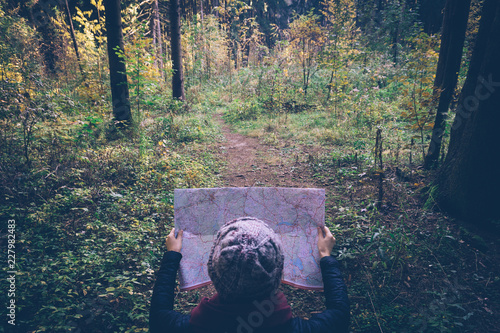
391,106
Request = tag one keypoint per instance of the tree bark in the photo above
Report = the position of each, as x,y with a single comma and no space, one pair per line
157,38
469,180
396,33
431,15
73,38
176,50
41,14
117,68
456,14
201,11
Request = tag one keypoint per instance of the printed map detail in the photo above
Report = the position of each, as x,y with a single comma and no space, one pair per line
293,213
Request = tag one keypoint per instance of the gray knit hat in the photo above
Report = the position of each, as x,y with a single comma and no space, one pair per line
246,260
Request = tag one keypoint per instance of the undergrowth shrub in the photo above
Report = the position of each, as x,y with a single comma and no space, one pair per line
243,110
96,235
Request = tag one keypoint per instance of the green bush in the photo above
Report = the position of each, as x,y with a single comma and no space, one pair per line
241,110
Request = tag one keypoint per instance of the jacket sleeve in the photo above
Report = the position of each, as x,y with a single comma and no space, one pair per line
336,316
162,317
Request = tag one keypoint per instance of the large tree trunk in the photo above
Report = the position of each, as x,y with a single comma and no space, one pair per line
469,180
456,13
175,45
431,15
117,68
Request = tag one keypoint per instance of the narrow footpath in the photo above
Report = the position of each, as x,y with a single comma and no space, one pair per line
251,163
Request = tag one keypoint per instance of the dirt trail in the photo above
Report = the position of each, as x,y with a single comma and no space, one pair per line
251,163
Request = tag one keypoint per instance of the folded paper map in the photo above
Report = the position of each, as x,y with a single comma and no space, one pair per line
293,213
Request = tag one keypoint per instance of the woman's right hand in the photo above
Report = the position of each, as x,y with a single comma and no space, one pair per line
173,243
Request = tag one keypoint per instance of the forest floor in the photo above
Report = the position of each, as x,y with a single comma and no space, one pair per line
414,266
251,163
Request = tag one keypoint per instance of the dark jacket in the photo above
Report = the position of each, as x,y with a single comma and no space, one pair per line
164,319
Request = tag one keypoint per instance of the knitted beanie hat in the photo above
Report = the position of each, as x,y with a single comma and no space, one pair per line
246,260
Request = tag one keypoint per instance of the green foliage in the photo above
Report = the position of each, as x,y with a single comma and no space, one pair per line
307,40
20,106
340,49
251,38
417,80
205,48
92,47
389,28
240,110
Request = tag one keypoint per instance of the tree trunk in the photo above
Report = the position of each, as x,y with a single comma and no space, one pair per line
41,16
157,38
175,45
456,14
117,68
431,15
182,8
395,38
152,27
201,11
469,180
73,38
